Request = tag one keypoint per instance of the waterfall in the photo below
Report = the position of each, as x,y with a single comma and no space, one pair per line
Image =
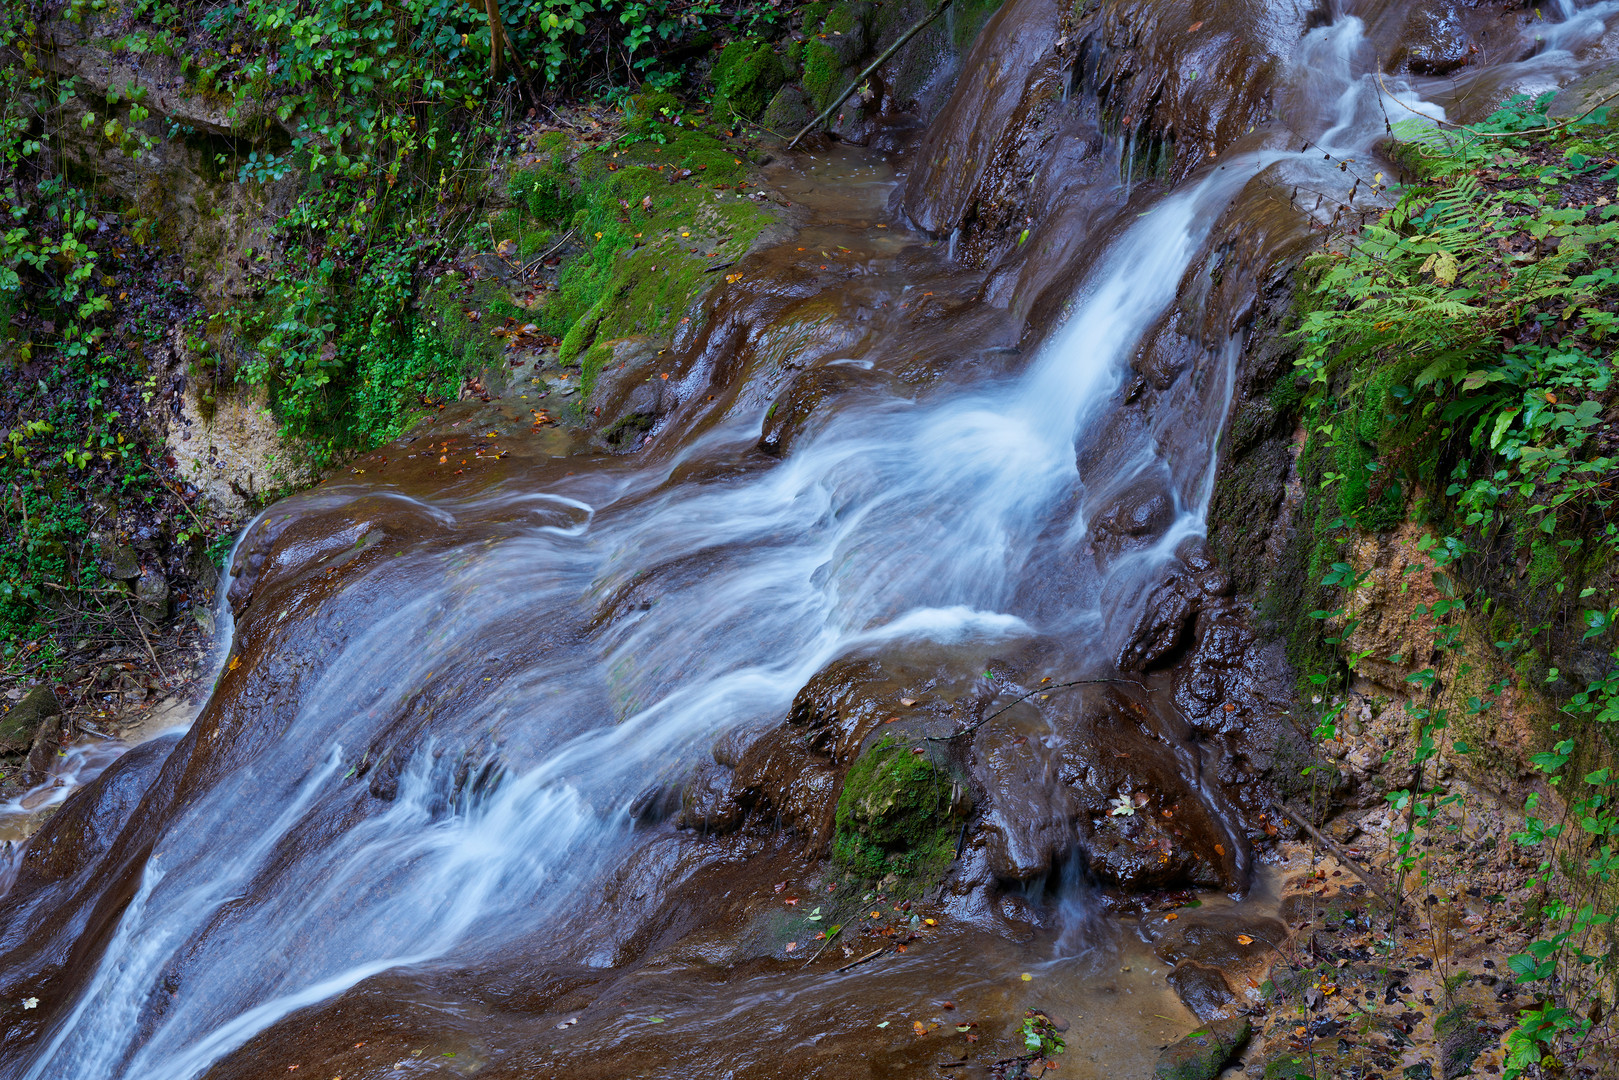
898,521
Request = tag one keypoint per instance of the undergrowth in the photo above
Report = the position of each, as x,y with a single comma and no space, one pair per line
1460,356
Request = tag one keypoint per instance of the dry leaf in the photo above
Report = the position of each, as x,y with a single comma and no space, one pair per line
1244,939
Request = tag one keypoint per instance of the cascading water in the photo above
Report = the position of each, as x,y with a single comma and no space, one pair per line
451,779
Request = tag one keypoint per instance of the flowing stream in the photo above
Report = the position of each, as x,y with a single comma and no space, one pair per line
448,752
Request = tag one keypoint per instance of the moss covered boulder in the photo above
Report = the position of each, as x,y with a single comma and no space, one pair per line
746,77
899,812
1203,1053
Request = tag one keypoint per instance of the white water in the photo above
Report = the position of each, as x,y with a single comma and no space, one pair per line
915,520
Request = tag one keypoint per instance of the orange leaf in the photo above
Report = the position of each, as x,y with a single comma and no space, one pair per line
1244,939
1171,916
1195,27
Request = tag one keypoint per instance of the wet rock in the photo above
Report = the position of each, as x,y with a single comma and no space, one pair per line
1002,70
1215,939
706,802
1168,355
782,780
1202,1054
20,723
1163,626
1203,989
630,394
87,824
807,394
1134,516
152,597
836,710
1436,42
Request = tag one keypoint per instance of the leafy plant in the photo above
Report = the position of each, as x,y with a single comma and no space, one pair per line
1463,342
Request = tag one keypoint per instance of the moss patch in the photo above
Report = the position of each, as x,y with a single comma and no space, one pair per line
746,76
897,814
649,223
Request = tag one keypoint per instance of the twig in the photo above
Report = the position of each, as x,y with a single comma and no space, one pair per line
180,498
1498,134
872,955
142,631
873,66
718,266
976,724
835,932
559,245
1343,856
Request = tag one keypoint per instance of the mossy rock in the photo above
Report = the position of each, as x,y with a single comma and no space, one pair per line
20,724
788,112
1203,1053
643,111
746,77
898,813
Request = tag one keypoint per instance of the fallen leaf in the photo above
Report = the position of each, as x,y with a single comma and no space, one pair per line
656,1019
30,1003
1171,916
1244,939
235,662
1195,27
791,945
1027,977
907,701
885,1023
1219,849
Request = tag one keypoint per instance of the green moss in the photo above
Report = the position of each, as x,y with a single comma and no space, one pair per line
1544,565
898,813
652,224
746,76
823,72
970,17
840,19
644,112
